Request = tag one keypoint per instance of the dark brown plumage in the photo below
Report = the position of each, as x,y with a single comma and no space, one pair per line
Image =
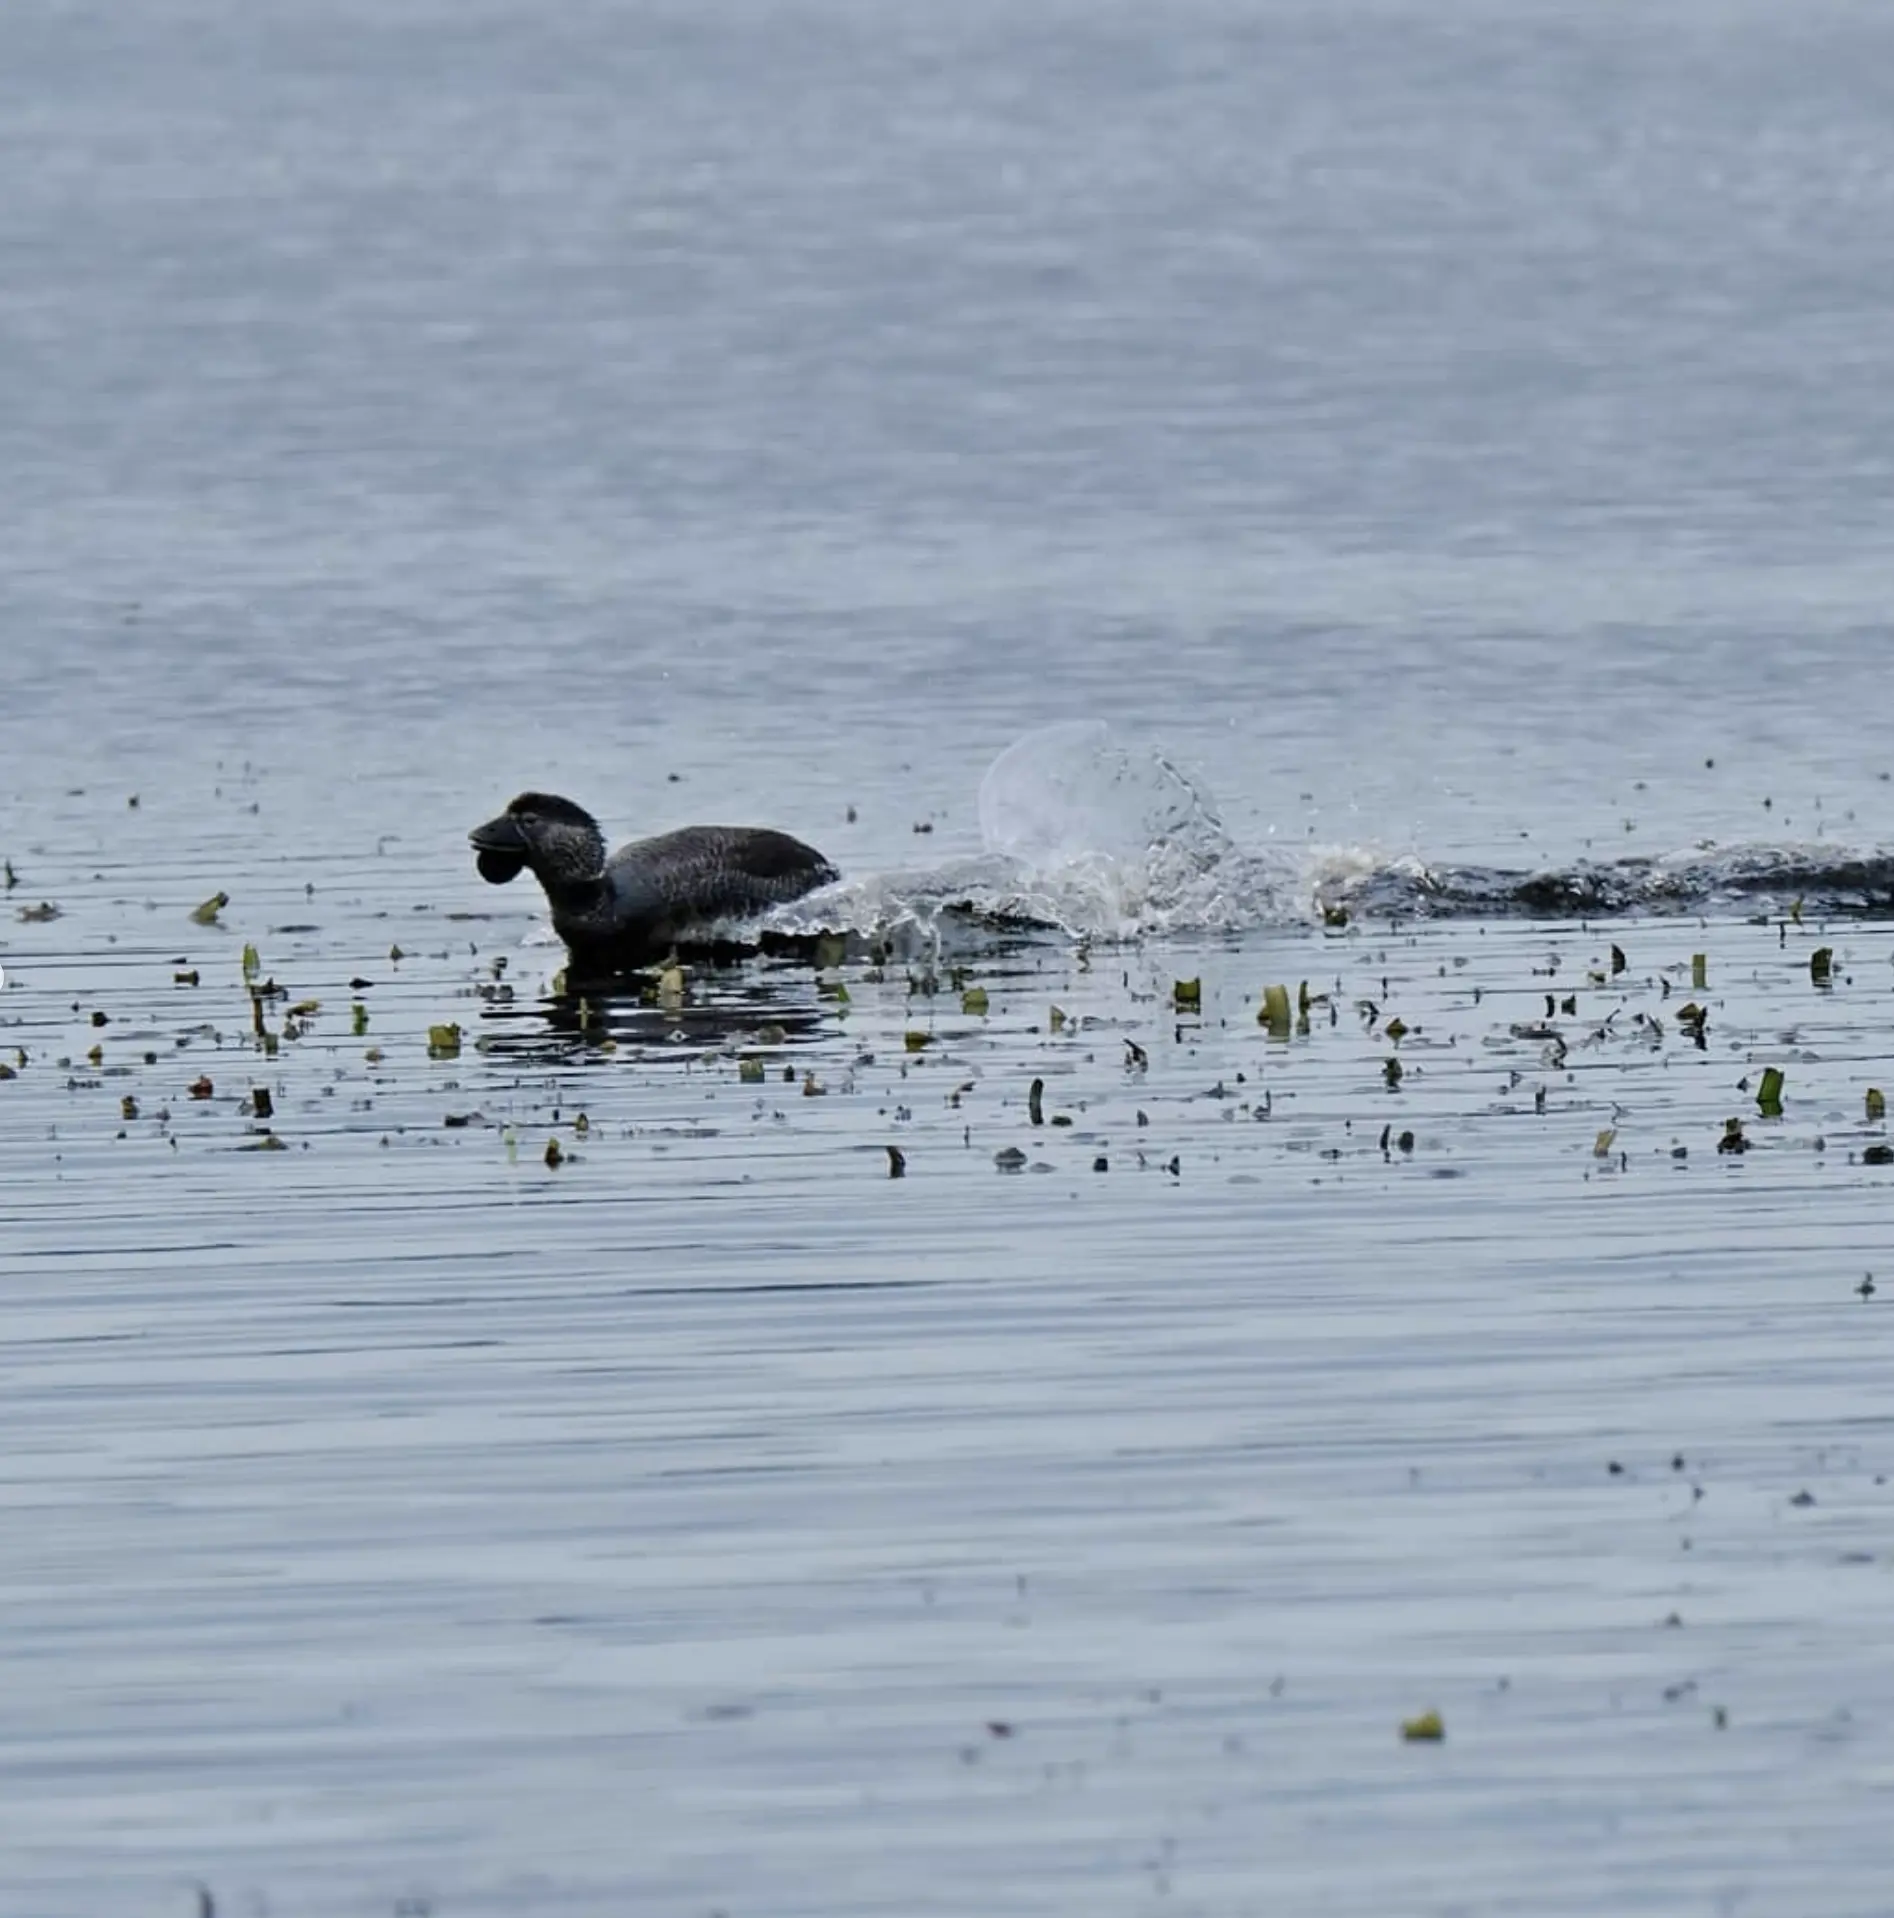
632,908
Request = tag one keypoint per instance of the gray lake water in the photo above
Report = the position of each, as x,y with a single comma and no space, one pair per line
1444,444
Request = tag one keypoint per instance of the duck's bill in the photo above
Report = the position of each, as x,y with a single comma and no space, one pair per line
499,850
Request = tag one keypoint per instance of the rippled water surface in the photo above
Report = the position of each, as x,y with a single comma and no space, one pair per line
1447,446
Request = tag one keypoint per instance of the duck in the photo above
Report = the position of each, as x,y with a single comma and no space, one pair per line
632,909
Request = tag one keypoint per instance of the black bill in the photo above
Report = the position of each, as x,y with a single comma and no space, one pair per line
499,850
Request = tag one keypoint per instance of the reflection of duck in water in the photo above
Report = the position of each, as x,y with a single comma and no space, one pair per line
631,909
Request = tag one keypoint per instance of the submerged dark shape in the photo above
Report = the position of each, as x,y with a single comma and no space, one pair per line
1859,884
650,896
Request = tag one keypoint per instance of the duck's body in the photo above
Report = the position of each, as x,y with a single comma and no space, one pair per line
633,908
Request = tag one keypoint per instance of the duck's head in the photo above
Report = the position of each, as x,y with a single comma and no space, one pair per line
559,840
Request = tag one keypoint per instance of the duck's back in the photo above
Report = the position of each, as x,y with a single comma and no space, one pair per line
713,872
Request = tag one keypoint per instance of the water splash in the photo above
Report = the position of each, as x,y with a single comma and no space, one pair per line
1091,836
1086,835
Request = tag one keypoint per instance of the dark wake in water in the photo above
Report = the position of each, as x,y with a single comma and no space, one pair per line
1754,878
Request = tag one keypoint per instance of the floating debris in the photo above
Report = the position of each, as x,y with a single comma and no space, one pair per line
1187,995
1769,1094
750,1071
39,915
1428,1729
1699,972
897,1162
206,913
1822,965
1732,1139
917,1041
1274,1011
1877,1105
201,1087
973,1002
555,1158
1009,1158
261,1104
443,1042
1035,1102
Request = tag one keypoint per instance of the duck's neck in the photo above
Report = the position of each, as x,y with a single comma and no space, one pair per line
576,900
